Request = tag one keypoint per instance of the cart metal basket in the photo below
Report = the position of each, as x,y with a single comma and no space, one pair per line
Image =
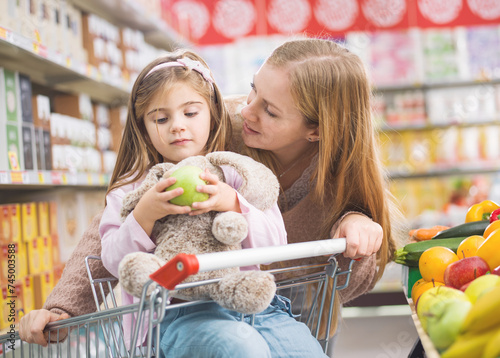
101,334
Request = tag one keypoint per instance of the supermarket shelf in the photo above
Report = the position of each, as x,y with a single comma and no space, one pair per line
429,85
430,126
52,69
464,170
31,178
127,12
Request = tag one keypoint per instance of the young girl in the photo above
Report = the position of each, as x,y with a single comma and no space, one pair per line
176,111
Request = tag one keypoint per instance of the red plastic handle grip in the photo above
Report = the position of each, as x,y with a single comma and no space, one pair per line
176,270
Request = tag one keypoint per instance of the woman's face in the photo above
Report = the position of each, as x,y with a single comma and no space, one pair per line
271,119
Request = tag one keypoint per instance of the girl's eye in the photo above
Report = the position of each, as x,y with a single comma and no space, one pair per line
191,114
252,86
160,120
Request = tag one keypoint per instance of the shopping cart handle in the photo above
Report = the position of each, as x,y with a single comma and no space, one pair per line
176,270
181,266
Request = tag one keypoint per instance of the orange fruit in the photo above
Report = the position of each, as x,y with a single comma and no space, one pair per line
420,287
468,247
491,227
434,261
490,249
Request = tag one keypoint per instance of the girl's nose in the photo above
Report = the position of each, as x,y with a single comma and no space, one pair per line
178,124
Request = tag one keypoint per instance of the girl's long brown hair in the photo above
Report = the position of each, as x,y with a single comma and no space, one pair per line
137,154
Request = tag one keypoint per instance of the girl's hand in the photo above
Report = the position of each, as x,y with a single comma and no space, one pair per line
363,236
155,204
222,196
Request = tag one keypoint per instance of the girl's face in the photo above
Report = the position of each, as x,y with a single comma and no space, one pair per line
178,123
271,119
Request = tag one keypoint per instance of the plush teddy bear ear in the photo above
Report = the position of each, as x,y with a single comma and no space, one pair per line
260,186
131,199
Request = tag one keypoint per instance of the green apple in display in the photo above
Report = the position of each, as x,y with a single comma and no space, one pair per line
444,321
188,178
481,285
434,295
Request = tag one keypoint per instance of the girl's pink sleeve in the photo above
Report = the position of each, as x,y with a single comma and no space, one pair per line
265,228
120,238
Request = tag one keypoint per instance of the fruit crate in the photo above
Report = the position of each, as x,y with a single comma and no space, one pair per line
409,276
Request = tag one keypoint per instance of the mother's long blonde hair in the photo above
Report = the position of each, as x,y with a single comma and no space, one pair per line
331,89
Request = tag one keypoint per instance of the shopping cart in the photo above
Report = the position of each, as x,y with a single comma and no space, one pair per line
101,334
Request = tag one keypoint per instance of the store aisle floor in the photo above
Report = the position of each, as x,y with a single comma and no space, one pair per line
376,334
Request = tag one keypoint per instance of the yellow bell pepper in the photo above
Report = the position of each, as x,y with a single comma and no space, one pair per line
481,211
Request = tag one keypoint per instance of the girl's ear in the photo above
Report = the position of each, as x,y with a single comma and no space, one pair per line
260,186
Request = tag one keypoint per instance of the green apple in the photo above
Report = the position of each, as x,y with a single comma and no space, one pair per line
188,178
481,285
444,321
434,295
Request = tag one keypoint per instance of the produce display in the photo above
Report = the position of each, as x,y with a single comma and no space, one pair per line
457,298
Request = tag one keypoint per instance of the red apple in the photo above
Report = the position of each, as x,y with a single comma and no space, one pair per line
465,270
496,271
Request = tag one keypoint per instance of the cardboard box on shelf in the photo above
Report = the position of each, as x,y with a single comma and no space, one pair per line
45,247
11,155
29,146
5,225
10,299
29,221
28,294
41,111
56,254
34,257
25,94
53,230
117,119
43,218
15,221
43,283
77,106
47,150
13,263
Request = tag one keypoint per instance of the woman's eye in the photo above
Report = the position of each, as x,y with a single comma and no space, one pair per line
269,112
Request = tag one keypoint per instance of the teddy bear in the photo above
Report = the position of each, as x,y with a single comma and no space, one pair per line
242,291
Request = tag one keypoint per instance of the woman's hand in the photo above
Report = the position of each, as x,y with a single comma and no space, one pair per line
363,236
32,325
154,204
222,196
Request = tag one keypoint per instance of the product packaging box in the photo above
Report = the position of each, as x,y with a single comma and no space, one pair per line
43,218
15,221
41,111
5,225
34,257
29,146
47,150
77,106
12,251
25,94
53,230
43,284
56,255
29,221
10,299
45,250
28,294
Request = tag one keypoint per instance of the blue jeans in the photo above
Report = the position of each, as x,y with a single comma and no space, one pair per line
208,330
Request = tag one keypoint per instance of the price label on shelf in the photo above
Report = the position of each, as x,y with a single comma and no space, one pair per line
26,178
4,178
56,178
41,178
3,33
89,179
64,178
16,177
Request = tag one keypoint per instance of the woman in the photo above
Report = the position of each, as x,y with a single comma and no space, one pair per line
308,118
